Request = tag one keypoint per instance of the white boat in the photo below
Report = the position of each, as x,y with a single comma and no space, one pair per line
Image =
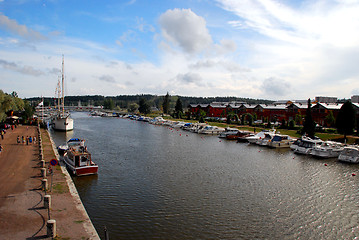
256,137
78,160
157,121
228,131
62,120
328,149
62,123
70,143
350,154
280,141
178,125
196,127
264,141
304,145
211,130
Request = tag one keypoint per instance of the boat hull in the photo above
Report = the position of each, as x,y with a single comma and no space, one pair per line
79,171
63,124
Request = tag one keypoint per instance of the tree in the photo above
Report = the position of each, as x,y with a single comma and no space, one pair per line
108,104
309,124
133,107
144,107
291,124
166,103
9,102
28,111
330,119
201,115
346,119
178,108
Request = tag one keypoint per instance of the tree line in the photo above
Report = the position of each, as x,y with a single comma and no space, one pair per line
131,102
11,104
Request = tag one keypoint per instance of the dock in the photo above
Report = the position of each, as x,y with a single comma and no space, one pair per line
38,200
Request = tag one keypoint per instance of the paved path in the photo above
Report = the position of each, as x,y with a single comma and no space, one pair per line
22,215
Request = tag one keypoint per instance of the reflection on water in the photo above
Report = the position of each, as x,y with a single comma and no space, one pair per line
156,182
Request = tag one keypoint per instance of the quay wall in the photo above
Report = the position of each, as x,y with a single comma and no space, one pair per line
87,223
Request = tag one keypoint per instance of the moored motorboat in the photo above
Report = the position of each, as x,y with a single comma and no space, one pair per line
280,141
78,160
328,149
254,138
228,131
304,145
239,136
71,142
264,141
211,130
350,154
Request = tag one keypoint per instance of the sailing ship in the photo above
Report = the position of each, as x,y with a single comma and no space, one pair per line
62,120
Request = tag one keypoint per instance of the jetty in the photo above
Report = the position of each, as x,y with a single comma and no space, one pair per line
38,200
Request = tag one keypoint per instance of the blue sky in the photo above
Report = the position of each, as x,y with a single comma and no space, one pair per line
271,49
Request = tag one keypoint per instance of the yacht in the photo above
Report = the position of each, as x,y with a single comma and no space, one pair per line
328,149
349,154
228,131
280,141
258,136
211,130
304,145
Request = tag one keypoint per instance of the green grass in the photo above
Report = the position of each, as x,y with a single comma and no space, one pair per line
60,188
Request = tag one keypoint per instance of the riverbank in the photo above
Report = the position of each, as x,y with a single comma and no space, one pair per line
22,211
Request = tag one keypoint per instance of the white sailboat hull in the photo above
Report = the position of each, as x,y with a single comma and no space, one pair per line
63,124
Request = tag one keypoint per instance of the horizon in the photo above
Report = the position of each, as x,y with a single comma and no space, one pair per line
160,95
271,49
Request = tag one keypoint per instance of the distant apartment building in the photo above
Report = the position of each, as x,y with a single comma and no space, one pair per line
326,99
355,99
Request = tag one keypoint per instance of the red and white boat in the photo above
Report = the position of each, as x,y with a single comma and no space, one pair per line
78,161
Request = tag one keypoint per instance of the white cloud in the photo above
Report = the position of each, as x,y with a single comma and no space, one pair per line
276,87
18,29
189,78
185,29
27,70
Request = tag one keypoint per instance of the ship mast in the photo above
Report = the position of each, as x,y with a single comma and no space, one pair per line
63,94
58,92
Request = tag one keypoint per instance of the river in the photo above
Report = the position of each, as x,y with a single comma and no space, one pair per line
158,183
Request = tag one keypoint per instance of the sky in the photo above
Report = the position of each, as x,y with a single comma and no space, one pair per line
265,49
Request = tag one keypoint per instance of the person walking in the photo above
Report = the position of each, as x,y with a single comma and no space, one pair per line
1,148
2,134
23,139
18,139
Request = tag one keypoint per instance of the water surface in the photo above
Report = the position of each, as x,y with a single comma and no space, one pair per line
155,182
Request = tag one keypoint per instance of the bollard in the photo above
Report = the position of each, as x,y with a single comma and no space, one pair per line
42,163
44,184
43,172
51,228
47,201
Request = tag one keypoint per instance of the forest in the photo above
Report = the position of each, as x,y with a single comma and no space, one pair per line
124,101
